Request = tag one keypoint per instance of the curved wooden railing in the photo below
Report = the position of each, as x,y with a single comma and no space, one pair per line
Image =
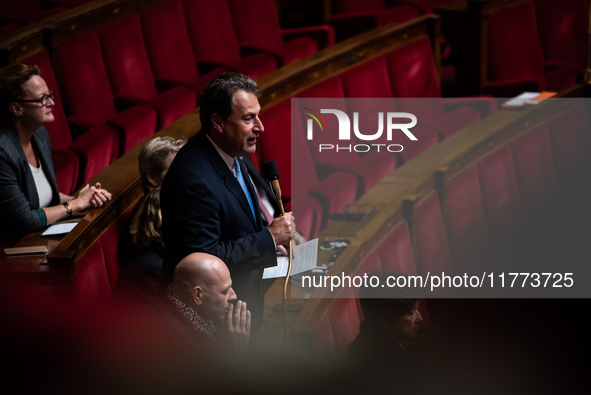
122,177
398,195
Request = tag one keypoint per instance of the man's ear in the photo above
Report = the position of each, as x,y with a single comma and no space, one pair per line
198,295
15,109
216,122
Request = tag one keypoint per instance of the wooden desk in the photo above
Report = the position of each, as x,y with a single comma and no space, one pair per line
395,196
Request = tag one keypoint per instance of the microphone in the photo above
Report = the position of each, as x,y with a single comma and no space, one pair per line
272,174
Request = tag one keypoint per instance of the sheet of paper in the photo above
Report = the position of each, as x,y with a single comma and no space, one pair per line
306,258
59,229
520,100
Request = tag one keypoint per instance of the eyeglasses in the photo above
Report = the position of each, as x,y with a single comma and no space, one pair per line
44,99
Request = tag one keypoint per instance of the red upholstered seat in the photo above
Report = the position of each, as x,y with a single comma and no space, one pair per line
371,264
500,197
92,282
369,169
111,247
339,326
413,75
88,99
359,82
469,236
433,254
570,136
562,29
84,157
215,43
130,73
516,65
66,167
257,27
395,251
534,170
275,141
332,194
171,55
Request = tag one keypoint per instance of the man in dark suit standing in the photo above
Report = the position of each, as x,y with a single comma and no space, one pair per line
208,202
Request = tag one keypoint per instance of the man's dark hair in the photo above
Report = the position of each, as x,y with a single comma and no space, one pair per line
218,96
389,303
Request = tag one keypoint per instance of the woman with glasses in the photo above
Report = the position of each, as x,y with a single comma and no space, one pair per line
29,197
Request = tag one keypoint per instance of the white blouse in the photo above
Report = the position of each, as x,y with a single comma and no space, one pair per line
42,185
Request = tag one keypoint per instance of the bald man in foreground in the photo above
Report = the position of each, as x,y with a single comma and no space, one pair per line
202,296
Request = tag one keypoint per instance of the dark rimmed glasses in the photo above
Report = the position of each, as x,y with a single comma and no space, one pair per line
44,99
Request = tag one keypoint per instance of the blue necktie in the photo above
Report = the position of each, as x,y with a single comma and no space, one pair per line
240,179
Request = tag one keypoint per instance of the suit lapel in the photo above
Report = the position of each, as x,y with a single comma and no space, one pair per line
231,183
253,195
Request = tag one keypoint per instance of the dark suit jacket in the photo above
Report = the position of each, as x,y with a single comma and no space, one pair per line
205,210
19,201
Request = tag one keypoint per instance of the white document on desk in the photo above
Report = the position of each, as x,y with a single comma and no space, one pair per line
306,258
59,229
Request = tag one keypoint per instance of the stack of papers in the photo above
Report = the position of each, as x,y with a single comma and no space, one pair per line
528,98
306,258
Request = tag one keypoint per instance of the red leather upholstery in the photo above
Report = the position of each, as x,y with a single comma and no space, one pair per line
111,246
470,239
170,53
339,327
88,99
92,282
333,193
570,136
369,169
257,27
433,253
215,43
502,203
413,75
562,28
130,73
534,171
514,62
395,251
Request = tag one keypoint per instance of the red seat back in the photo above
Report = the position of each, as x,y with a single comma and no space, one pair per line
412,70
433,254
500,194
469,235
212,31
85,85
171,55
514,50
396,252
534,170
256,22
563,27
126,59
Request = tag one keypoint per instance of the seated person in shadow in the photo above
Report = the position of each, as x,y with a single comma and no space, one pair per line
29,196
140,276
203,301
391,322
